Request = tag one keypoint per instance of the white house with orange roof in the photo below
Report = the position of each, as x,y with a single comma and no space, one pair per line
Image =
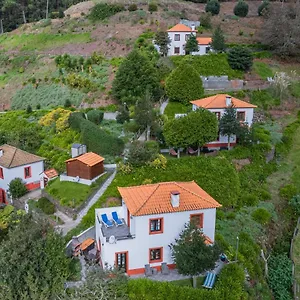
179,34
153,215
16,163
217,105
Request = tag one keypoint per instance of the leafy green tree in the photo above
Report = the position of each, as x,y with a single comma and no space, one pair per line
123,114
134,77
32,261
263,8
163,41
205,20
229,125
218,40
29,109
190,253
104,285
240,58
95,116
68,103
203,127
213,6
17,188
241,9
191,44
176,133
184,84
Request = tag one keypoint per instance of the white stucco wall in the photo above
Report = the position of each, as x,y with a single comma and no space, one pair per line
18,172
248,119
179,44
138,247
201,50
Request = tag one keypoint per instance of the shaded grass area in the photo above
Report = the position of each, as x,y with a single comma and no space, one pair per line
40,41
262,69
176,108
189,282
73,194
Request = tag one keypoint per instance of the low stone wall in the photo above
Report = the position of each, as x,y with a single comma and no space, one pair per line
65,177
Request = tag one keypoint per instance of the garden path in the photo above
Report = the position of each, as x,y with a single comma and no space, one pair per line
163,107
70,223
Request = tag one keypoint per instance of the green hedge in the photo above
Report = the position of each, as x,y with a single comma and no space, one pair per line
102,11
209,65
229,286
96,139
95,116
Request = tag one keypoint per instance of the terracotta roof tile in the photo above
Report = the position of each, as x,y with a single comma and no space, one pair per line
51,173
219,101
203,40
89,159
14,157
156,198
181,28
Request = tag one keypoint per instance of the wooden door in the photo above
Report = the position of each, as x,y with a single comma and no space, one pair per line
2,196
122,260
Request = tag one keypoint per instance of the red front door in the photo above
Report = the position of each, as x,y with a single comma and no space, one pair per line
2,196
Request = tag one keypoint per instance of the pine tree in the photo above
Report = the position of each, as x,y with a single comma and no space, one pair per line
163,41
191,44
229,124
218,41
240,58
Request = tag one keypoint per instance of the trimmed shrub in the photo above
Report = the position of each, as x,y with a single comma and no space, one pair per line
288,191
152,7
241,9
132,7
212,6
95,116
17,188
46,206
263,8
240,58
184,84
103,11
262,216
95,138
249,200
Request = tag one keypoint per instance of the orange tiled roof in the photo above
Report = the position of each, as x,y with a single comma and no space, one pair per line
203,40
156,198
219,101
14,157
51,173
89,159
181,28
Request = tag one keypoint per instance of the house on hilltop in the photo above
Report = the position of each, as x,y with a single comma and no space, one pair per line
217,105
16,163
179,34
150,218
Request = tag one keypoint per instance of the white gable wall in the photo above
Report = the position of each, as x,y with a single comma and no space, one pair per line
202,50
18,172
138,247
178,44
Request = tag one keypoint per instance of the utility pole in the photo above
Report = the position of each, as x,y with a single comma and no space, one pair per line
1,27
47,8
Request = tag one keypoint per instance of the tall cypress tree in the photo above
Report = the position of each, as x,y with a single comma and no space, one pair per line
191,45
218,41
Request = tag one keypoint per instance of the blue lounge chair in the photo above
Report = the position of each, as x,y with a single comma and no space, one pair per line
209,280
105,221
116,218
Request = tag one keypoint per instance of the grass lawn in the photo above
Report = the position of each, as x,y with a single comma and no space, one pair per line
73,194
189,282
176,108
262,69
41,41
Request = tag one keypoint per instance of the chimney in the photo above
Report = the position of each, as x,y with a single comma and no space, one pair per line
228,101
175,198
1,152
193,27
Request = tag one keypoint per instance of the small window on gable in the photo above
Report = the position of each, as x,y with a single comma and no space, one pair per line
177,37
218,115
241,116
156,226
27,172
1,173
197,219
176,50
